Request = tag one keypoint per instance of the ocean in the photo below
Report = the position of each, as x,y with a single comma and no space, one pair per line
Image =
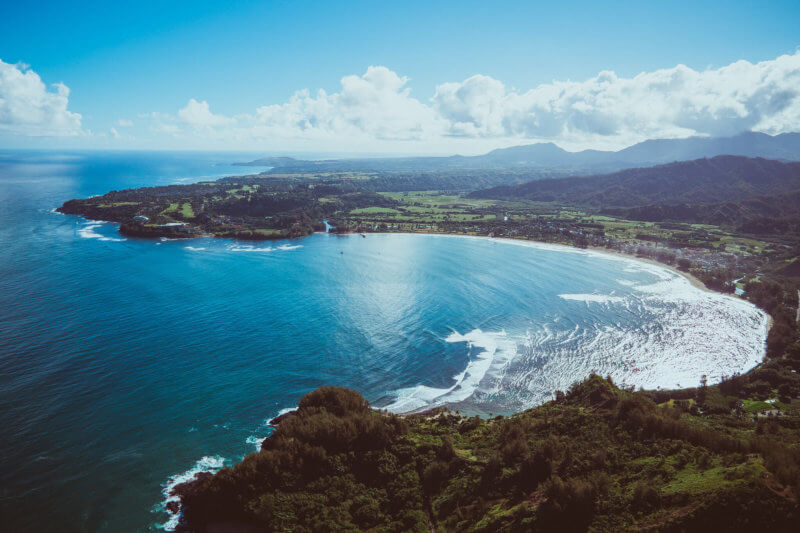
128,365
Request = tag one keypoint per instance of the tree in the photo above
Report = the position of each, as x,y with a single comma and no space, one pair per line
702,392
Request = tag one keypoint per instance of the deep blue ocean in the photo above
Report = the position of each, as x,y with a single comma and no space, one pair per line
125,362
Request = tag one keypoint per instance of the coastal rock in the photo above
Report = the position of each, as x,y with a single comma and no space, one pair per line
280,418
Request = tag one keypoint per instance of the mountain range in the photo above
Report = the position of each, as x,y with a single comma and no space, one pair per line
784,147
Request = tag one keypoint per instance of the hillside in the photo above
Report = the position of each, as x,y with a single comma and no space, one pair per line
597,458
243,207
770,214
755,184
548,155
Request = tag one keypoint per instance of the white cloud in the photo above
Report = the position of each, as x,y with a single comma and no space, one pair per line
376,105
608,109
27,108
199,115
377,109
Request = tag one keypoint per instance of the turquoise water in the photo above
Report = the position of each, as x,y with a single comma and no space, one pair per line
125,362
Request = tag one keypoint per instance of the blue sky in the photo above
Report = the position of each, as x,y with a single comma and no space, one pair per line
134,68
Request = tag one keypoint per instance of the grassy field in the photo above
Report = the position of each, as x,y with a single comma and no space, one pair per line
435,207
117,204
375,211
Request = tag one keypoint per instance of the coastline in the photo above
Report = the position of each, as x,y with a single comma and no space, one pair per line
591,250
692,279
565,247
602,251
597,250
211,463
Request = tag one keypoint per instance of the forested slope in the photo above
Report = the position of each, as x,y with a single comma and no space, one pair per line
598,457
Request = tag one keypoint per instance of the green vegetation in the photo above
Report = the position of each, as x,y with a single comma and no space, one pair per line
239,207
597,458
716,457
723,190
748,253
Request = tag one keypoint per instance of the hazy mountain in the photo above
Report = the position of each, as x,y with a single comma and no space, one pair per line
752,144
548,155
719,179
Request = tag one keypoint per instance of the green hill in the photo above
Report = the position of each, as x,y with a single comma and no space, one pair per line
716,180
598,458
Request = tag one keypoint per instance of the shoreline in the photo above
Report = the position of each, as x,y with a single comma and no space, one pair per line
565,247
431,411
591,250
693,280
508,240
597,250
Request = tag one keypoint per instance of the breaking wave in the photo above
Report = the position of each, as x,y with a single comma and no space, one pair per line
170,503
262,249
210,463
87,231
651,334
592,298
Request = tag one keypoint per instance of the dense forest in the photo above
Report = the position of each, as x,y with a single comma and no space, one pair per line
720,179
758,214
240,207
597,457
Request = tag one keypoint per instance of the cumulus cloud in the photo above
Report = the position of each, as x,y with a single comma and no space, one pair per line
605,111
377,105
28,108
199,115
675,102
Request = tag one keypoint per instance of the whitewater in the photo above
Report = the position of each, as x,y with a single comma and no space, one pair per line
673,349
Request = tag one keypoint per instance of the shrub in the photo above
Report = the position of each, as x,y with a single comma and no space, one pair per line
645,497
336,400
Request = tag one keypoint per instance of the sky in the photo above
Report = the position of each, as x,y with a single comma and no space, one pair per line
393,77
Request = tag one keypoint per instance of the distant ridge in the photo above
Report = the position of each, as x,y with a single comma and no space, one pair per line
784,147
721,178
722,189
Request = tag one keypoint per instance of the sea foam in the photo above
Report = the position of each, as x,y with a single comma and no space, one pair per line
258,439
592,298
87,231
492,347
263,249
655,334
209,463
